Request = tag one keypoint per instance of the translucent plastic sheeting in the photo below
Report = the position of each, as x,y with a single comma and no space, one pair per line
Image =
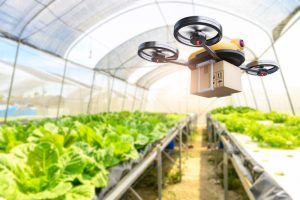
138,99
125,57
36,84
235,24
258,92
247,95
117,95
76,96
7,54
275,88
288,54
151,77
54,25
130,98
125,65
99,102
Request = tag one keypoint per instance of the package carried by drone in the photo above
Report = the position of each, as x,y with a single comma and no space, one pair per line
215,79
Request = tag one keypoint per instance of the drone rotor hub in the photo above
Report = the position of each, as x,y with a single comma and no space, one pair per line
198,38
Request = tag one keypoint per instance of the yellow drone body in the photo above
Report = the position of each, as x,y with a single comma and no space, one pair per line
231,51
234,45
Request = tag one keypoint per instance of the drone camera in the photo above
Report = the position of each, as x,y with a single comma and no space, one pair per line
158,58
242,43
262,73
198,39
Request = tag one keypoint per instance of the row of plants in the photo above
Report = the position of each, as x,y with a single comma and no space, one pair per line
70,158
273,129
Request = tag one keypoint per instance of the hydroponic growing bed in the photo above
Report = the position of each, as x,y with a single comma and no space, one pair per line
264,148
71,158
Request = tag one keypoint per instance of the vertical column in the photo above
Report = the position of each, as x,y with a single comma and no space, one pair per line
110,94
61,88
142,100
159,173
91,93
145,102
12,81
125,93
134,98
225,173
180,153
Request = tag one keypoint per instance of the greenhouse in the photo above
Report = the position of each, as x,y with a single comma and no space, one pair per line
149,99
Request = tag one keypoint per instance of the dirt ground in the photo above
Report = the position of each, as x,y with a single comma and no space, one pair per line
199,181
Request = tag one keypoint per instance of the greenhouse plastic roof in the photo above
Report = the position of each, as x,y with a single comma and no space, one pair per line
62,28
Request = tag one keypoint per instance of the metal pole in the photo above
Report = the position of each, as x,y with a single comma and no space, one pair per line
142,100
135,193
283,80
266,94
91,93
145,101
12,82
134,97
252,92
159,173
61,88
180,154
225,174
110,94
125,93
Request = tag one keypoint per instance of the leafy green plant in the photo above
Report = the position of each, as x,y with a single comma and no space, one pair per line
277,117
284,133
69,158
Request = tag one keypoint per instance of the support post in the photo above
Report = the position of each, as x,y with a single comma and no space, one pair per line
159,174
91,93
110,94
225,173
134,97
135,193
145,101
12,81
61,89
180,154
125,93
142,100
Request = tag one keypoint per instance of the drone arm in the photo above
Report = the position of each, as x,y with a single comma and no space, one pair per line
178,63
211,52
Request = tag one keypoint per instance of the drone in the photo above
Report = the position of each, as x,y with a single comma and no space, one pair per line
206,34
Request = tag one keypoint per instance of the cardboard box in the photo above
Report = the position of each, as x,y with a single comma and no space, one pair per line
216,79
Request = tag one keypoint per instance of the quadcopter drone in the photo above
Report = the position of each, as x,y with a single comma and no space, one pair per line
205,33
